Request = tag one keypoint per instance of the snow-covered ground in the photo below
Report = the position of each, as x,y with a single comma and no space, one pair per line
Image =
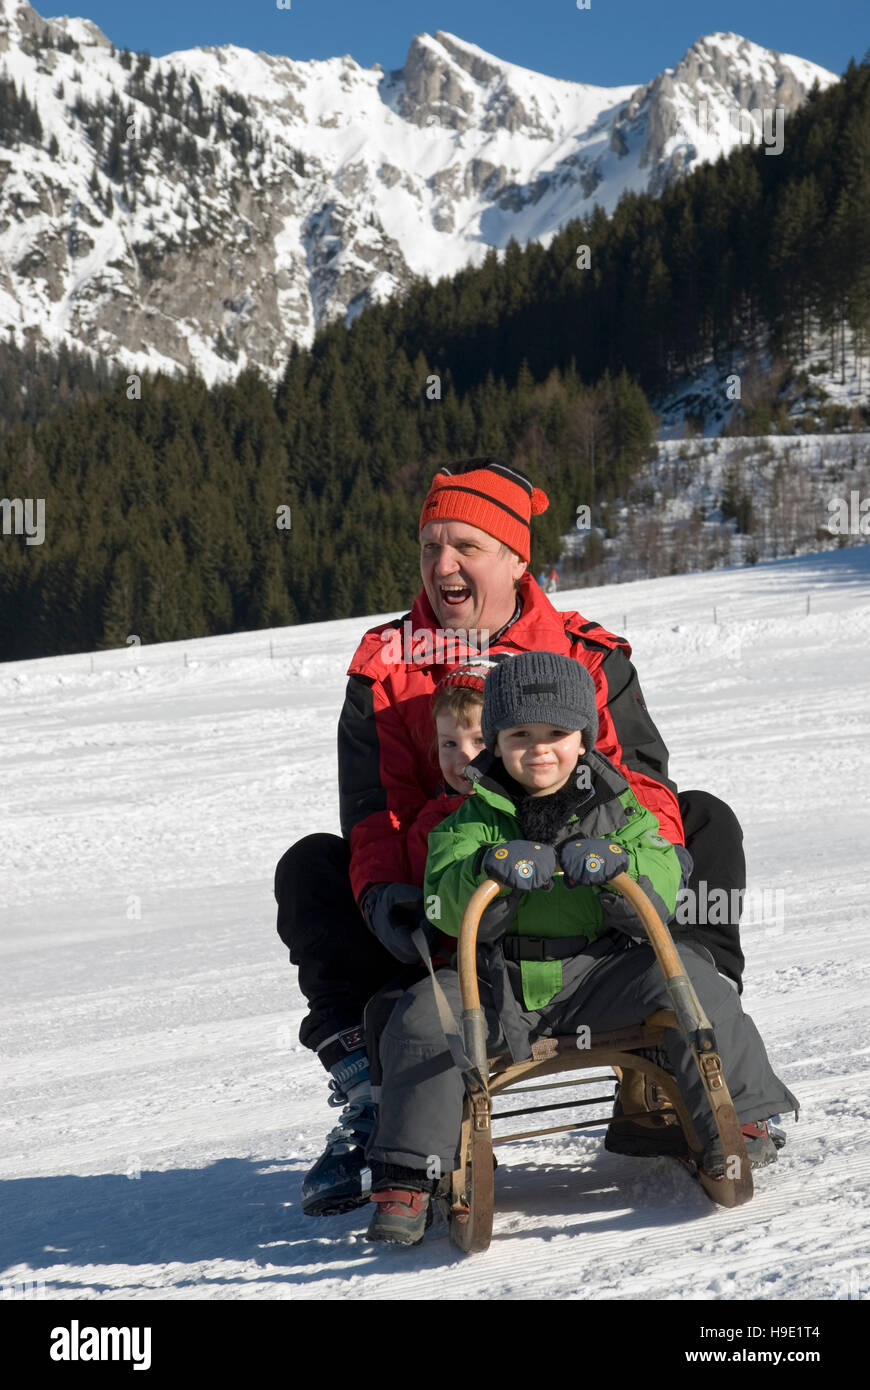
158,1112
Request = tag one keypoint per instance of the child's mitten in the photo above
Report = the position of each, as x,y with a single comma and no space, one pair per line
522,864
590,863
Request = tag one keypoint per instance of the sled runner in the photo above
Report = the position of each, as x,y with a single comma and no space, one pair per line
468,1192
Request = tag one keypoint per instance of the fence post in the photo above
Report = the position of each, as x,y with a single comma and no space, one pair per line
625,622
185,658
271,653
808,605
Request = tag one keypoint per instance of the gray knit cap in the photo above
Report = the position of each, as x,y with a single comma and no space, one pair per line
539,688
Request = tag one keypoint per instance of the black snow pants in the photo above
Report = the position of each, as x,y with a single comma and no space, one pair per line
341,965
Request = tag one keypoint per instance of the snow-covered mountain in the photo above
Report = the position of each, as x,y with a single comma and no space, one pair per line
210,208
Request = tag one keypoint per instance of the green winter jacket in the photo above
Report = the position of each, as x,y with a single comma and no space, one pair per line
489,816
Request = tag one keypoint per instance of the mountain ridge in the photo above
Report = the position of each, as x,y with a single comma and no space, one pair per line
260,197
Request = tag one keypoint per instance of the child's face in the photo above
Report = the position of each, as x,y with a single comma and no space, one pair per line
458,745
538,756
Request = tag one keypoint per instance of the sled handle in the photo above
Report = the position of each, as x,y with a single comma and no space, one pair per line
473,1018
480,899
691,1018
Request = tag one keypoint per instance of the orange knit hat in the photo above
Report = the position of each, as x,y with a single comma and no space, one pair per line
488,494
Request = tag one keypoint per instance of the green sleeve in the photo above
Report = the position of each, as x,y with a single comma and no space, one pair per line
453,851
652,860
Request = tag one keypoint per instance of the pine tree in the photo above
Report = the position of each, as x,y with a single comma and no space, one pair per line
120,610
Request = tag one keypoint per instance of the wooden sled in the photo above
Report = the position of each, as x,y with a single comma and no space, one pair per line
470,1196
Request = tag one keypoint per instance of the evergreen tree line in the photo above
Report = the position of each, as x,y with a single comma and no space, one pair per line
162,514
34,41
35,382
161,511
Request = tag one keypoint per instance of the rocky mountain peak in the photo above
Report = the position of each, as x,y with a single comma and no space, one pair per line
435,88
692,111
19,18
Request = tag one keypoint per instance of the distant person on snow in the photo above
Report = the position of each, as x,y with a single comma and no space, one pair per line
540,726
553,581
339,898
542,580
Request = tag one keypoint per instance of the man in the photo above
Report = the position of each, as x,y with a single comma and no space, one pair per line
477,595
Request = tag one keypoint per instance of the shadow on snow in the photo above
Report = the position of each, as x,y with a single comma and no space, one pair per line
248,1211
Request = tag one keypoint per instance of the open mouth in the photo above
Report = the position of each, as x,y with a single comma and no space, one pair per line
452,594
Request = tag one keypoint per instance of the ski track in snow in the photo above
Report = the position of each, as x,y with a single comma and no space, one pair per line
150,1016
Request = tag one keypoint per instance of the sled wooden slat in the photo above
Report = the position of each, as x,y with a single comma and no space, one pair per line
519,1090
551,1129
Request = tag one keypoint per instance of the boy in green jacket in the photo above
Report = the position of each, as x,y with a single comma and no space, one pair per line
570,956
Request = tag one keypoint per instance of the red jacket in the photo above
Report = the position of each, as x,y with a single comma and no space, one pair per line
387,763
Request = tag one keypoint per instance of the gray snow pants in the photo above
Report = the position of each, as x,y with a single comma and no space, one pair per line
612,986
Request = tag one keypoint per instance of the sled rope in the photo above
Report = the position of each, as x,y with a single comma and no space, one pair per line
471,1077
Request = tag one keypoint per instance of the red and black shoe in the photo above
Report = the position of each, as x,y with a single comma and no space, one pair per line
402,1216
403,1197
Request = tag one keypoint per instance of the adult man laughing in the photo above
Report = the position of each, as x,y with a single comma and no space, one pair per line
474,555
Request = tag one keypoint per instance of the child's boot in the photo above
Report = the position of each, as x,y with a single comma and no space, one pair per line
403,1197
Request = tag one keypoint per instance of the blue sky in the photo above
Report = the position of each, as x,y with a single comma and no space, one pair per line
613,42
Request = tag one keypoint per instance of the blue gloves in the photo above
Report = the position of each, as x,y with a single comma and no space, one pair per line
520,864
591,863
526,864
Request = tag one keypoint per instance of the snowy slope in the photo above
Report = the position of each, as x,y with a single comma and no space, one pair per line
149,1013
356,179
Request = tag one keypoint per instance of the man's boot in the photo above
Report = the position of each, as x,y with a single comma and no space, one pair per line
638,1127
761,1149
341,1179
